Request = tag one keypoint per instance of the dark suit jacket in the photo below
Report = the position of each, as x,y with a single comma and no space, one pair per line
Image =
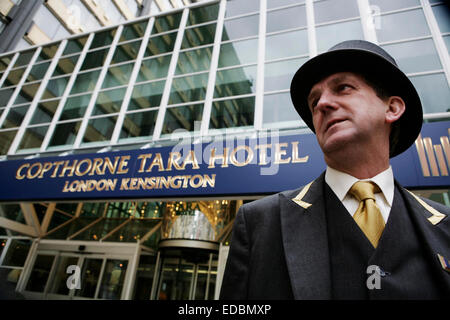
279,245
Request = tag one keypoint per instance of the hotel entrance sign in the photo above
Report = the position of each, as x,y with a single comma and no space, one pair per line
226,167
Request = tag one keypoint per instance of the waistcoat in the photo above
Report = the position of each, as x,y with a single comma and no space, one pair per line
396,269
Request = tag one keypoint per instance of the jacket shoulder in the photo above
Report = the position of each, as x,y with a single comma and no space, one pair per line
268,202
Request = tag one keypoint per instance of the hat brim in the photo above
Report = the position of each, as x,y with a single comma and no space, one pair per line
372,66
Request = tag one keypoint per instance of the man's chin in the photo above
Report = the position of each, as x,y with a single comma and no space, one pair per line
337,143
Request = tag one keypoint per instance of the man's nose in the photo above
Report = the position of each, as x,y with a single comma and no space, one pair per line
326,102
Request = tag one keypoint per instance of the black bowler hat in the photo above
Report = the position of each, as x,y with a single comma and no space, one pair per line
377,66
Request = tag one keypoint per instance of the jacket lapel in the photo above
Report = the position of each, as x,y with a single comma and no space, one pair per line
305,241
433,228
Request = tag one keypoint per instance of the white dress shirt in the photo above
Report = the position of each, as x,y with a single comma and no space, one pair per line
341,183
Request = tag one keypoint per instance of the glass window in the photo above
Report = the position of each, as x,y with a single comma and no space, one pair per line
5,95
75,45
67,207
330,10
133,31
126,52
278,75
38,71
44,112
55,87
103,38
2,243
6,138
190,88
99,230
166,23
24,58
119,210
238,52
13,212
154,68
146,95
39,274
59,283
203,14
198,36
194,60
232,113
65,133
14,77
4,62
85,82
442,15
287,44
100,129
133,231
89,278
235,8
75,107
118,75
280,3
185,117
27,93
94,59
58,219
447,42
240,27
388,5
92,209
160,44
109,101
329,35
15,116
112,280
17,253
433,91
236,81
292,17
140,124
65,65
33,137
144,277
71,228
402,25
48,52
278,108
415,56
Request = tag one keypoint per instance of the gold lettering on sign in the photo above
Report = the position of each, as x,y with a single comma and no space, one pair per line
263,153
213,157
434,157
248,159
279,152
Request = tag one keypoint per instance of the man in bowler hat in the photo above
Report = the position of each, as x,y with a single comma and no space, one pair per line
354,232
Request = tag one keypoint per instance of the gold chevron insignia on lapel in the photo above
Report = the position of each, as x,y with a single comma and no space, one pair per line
444,263
436,215
298,199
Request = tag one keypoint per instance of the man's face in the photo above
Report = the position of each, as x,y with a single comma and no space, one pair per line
346,110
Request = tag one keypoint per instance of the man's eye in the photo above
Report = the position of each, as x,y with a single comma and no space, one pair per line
313,103
344,86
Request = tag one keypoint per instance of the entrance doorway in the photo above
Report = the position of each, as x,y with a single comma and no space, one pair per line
186,273
82,274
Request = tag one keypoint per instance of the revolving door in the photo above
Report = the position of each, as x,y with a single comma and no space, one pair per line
186,270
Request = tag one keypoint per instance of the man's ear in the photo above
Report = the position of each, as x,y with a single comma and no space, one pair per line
395,108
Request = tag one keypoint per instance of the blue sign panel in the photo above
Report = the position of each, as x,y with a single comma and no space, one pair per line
220,168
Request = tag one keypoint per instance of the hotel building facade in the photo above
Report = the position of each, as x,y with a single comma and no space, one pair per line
127,150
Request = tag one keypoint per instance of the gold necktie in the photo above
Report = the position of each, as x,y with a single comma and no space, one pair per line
368,215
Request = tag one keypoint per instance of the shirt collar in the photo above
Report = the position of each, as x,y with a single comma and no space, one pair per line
341,183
